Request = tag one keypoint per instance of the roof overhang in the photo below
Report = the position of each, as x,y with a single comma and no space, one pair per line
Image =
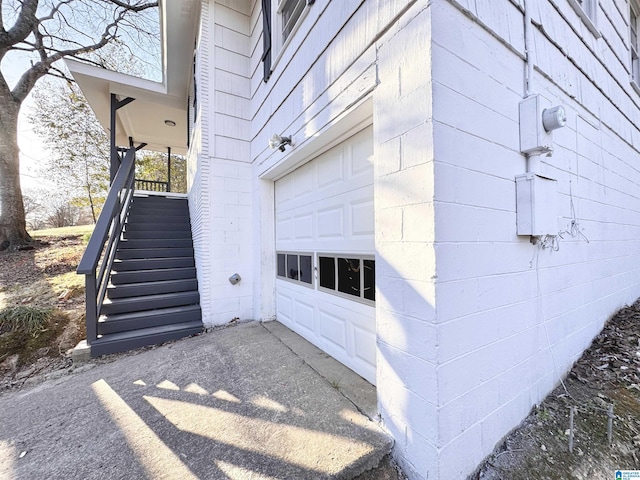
144,119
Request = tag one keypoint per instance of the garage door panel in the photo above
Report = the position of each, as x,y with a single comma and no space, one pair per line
330,171
284,192
284,302
362,218
284,230
333,328
304,315
364,344
303,227
361,153
304,182
326,206
331,223
361,166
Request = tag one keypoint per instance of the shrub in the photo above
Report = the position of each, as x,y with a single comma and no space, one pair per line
24,319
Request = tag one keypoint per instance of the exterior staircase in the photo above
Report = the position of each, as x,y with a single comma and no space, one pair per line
152,295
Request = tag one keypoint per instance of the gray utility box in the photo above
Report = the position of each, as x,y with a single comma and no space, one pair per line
536,205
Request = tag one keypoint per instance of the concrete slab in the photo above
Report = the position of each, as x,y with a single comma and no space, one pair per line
235,403
359,391
81,353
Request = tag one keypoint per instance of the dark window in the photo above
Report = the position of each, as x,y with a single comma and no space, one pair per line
327,272
266,39
282,267
305,269
634,22
292,267
291,11
195,81
349,276
369,280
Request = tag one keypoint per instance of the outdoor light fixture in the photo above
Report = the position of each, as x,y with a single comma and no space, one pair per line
234,279
170,123
279,142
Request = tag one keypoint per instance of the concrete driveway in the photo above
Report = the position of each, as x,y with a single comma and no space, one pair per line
253,401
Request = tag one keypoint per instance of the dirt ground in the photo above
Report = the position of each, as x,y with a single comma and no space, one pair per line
607,374
43,277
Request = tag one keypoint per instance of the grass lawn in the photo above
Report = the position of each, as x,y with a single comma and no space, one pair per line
78,230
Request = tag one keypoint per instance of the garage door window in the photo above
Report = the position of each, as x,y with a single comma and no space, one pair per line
348,276
297,267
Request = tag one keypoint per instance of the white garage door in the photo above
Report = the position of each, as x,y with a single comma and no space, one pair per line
325,286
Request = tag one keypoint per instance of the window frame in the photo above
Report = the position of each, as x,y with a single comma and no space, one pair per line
278,43
587,10
634,49
335,291
315,273
297,281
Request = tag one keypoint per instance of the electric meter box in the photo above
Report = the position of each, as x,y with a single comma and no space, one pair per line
536,205
534,139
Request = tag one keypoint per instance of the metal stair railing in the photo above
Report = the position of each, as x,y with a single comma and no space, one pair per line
102,246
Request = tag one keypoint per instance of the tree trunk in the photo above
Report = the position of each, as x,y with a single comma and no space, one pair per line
13,229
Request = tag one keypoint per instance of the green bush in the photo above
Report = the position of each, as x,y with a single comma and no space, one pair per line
24,319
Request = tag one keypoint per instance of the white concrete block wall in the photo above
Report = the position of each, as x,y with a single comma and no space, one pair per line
231,182
511,317
222,192
199,166
406,257
475,324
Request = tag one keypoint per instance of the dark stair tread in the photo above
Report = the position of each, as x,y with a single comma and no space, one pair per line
160,216
157,226
160,296
122,322
157,234
151,287
163,263
149,302
159,198
169,205
115,317
123,341
125,277
160,252
134,243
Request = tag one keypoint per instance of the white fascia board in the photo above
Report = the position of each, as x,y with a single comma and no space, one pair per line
114,78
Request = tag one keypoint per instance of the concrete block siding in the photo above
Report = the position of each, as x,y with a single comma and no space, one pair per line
512,317
223,183
475,324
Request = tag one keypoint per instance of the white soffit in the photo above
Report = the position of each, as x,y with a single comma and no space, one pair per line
143,119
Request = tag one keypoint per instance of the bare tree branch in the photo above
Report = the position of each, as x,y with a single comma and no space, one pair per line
137,8
23,26
49,30
56,72
54,10
47,58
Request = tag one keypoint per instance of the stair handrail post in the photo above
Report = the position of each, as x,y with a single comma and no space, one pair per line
108,227
91,319
168,169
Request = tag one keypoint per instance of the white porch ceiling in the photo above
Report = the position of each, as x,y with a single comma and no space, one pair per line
143,120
